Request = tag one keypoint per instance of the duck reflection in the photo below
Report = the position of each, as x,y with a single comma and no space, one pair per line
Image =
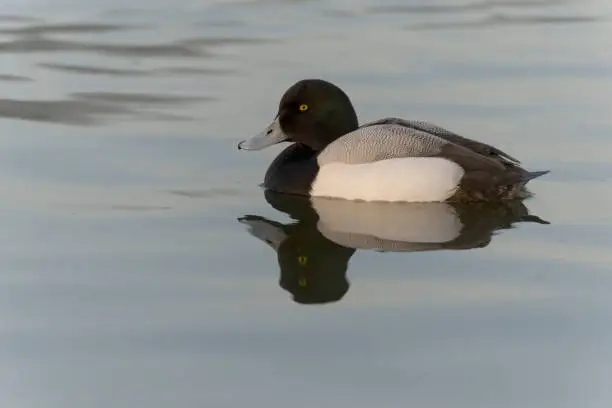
313,251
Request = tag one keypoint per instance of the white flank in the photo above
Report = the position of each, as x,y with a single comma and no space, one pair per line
408,179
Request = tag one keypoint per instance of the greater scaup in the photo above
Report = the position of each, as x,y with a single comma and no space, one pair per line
389,159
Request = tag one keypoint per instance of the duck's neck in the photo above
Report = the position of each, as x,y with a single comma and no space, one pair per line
337,122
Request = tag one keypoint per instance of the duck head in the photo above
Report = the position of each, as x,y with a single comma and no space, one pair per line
312,112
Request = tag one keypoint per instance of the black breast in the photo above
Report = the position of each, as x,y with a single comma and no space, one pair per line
292,171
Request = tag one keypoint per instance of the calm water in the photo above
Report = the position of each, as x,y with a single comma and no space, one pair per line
142,266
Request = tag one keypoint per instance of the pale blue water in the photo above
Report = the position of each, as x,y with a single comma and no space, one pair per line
127,280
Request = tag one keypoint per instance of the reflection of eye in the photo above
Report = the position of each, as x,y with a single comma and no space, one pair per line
302,260
302,281
303,107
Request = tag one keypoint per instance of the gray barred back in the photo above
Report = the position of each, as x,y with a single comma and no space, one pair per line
452,137
380,142
417,125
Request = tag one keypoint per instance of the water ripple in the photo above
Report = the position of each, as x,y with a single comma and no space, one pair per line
499,20
138,99
460,8
191,47
83,69
40,29
89,108
41,44
58,111
13,18
131,72
14,78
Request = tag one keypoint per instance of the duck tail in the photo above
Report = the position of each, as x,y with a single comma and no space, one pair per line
534,174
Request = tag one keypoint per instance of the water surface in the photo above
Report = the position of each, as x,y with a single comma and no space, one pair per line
144,267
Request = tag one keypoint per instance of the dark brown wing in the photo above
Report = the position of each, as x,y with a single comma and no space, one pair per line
485,177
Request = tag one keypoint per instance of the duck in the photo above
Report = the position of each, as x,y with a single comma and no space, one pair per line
386,160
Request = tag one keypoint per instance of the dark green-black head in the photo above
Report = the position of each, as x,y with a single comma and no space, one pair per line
312,112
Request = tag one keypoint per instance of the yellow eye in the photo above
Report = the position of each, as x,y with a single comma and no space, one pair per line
302,260
302,281
303,107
